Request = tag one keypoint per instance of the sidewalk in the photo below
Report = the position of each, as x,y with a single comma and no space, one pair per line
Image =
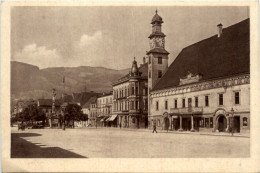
245,135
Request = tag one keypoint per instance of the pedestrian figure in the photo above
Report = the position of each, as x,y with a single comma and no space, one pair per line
154,128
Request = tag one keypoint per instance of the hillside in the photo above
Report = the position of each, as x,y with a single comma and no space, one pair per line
28,81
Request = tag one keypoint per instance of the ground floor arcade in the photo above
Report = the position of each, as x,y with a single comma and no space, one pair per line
219,121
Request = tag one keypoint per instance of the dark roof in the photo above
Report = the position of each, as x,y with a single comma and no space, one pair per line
67,98
158,50
156,18
156,33
213,58
89,102
83,97
143,69
48,102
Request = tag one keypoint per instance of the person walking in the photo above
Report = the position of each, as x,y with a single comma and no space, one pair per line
154,127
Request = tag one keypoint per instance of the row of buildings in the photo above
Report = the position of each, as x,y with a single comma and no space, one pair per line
206,87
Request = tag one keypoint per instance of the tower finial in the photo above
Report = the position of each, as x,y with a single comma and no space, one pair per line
134,58
156,11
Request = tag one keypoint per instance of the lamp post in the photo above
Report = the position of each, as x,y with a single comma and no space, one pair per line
232,114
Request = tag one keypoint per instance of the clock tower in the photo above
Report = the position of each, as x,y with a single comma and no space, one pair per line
157,55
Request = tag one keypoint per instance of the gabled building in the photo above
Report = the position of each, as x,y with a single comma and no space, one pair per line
207,87
130,98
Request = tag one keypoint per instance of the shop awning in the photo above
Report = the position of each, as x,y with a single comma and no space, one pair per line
113,117
108,119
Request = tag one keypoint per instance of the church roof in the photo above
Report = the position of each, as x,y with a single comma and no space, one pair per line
213,57
156,18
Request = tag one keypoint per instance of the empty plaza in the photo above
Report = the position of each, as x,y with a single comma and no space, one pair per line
122,143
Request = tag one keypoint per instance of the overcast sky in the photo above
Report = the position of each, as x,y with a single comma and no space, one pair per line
108,36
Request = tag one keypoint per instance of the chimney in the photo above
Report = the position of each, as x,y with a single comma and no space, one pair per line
219,26
143,60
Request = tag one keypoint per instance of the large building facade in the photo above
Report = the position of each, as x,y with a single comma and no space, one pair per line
130,93
207,87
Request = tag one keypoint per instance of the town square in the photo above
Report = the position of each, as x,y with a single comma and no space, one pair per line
98,92
116,143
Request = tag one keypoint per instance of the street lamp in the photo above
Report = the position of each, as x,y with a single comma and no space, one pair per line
232,113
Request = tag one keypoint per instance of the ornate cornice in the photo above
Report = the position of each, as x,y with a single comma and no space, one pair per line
206,85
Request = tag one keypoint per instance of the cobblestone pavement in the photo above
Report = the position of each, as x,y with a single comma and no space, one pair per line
116,143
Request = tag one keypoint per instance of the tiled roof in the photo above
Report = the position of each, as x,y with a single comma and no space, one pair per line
213,58
91,100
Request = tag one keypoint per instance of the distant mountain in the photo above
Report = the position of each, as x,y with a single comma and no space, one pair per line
28,81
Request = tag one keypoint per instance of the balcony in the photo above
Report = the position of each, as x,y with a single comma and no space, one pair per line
189,110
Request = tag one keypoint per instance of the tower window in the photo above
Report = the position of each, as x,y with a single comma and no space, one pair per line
166,104
159,60
159,73
175,103
149,74
149,60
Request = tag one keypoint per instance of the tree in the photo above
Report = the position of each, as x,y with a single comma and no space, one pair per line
73,112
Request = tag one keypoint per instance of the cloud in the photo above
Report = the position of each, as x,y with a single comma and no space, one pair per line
89,50
87,40
40,56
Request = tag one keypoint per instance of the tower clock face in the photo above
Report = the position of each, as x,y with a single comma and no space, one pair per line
159,42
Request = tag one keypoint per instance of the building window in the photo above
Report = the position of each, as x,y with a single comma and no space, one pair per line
183,103
158,122
166,104
133,120
175,104
149,74
189,102
133,90
159,60
220,98
196,102
206,100
149,60
157,105
136,105
159,73
245,121
236,97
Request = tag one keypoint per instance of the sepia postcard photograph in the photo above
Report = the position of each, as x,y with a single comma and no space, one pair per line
102,87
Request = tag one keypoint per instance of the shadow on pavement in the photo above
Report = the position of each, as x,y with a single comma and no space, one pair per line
21,148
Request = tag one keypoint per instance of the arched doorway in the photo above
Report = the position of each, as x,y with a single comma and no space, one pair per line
166,123
222,123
